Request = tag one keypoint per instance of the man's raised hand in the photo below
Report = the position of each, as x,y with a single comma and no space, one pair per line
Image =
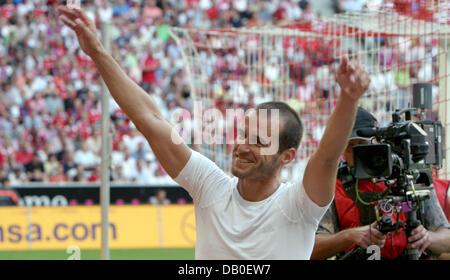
352,78
84,27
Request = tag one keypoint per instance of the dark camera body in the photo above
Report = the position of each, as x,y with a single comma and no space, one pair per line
417,146
413,148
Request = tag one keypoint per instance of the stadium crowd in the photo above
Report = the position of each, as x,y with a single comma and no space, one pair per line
50,91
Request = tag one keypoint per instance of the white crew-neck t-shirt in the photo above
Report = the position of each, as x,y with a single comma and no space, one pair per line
282,226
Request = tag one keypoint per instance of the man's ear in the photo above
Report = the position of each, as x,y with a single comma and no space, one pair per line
288,155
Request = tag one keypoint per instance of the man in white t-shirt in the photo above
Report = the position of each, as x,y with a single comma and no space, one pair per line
251,215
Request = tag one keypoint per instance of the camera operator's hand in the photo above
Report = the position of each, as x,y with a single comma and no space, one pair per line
367,235
420,238
352,78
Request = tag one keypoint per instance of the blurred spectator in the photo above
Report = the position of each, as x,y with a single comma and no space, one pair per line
37,176
80,175
53,102
8,9
132,140
24,154
151,10
34,164
105,11
121,8
149,65
85,157
141,152
54,140
129,165
143,174
17,177
51,166
69,164
160,198
95,175
94,141
58,175
351,5
118,154
117,175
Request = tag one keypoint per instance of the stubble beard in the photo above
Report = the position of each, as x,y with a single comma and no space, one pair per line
256,172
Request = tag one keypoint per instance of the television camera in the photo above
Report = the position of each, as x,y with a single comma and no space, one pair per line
404,158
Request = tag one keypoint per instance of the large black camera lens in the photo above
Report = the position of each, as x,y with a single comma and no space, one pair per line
372,161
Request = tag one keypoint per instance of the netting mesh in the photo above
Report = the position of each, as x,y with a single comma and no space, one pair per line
239,68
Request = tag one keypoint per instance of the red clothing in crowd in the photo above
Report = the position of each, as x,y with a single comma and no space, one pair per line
94,116
94,177
280,14
192,4
213,13
23,157
58,178
49,62
152,12
84,60
8,11
148,76
39,12
83,129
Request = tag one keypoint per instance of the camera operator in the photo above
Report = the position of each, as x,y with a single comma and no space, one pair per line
350,224
442,188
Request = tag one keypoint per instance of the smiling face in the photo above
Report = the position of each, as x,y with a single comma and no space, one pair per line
268,141
248,159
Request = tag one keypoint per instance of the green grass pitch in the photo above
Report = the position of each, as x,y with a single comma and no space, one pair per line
123,254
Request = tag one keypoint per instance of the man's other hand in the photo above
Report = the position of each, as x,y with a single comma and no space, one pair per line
84,27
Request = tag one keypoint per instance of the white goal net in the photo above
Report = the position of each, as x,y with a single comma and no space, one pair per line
297,63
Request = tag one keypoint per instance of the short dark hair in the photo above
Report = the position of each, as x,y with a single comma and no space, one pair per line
292,133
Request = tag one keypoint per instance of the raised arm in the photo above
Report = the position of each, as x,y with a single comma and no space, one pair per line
320,174
134,101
